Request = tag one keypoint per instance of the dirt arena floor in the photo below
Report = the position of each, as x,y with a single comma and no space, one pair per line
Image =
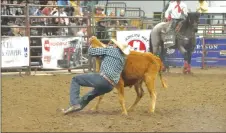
191,103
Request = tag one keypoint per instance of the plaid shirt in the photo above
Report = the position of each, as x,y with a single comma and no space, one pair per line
113,61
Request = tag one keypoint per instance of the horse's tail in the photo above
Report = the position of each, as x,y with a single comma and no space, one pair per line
150,44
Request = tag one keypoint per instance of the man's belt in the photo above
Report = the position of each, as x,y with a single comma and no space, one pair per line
105,77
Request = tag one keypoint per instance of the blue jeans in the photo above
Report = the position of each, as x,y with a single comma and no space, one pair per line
95,80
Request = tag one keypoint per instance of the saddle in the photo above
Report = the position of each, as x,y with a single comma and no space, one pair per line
169,39
177,29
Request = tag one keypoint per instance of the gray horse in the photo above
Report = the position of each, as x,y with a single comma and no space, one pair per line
185,40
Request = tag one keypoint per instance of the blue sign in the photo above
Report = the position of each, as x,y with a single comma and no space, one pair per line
215,54
25,52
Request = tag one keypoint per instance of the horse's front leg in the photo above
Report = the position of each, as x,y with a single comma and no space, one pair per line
186,66
189,54
186,58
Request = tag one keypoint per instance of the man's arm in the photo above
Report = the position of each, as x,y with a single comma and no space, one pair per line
164,10
97,51
167,13
166,7
185,10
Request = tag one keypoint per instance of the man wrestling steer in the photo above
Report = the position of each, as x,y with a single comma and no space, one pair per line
113,62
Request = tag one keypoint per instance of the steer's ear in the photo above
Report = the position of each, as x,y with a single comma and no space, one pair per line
96,42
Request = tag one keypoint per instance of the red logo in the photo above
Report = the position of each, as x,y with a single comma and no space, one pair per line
138,45
46,45
47,59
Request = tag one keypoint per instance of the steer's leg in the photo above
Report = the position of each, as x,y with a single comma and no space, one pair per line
140,92
98,63
96,106
120,87
149,79
97,69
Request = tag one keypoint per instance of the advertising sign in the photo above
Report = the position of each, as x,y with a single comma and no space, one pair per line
215,53
15,52
59,53
138,39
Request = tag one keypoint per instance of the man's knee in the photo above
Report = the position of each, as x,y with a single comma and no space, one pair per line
77,78
74,78
107,90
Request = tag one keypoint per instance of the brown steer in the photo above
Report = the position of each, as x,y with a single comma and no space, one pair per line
139,67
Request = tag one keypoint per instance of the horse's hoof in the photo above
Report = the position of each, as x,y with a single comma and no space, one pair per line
185,71
189,72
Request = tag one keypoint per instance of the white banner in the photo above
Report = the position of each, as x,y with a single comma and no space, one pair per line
58,53
138,39
15,52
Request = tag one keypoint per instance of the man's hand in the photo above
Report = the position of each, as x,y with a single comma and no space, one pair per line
168,18
182,11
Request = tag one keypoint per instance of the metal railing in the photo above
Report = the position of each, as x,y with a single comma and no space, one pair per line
15,30
37,27
134,17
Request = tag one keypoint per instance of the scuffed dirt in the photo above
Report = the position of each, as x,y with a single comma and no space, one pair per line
191,103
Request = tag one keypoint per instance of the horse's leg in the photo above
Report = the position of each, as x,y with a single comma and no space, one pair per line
185,68
189,61
185,54
140,93
96,106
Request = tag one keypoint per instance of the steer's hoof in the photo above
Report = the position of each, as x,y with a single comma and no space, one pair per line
152,110
130,109
124,113
93,109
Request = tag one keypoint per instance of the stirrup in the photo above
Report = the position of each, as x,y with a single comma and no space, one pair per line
168,42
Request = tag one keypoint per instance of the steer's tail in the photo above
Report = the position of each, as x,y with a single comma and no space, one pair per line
158,61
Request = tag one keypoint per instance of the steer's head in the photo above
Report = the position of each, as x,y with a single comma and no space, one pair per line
95,43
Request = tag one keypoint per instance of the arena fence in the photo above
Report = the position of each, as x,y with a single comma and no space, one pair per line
44,40
9,43
47,45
